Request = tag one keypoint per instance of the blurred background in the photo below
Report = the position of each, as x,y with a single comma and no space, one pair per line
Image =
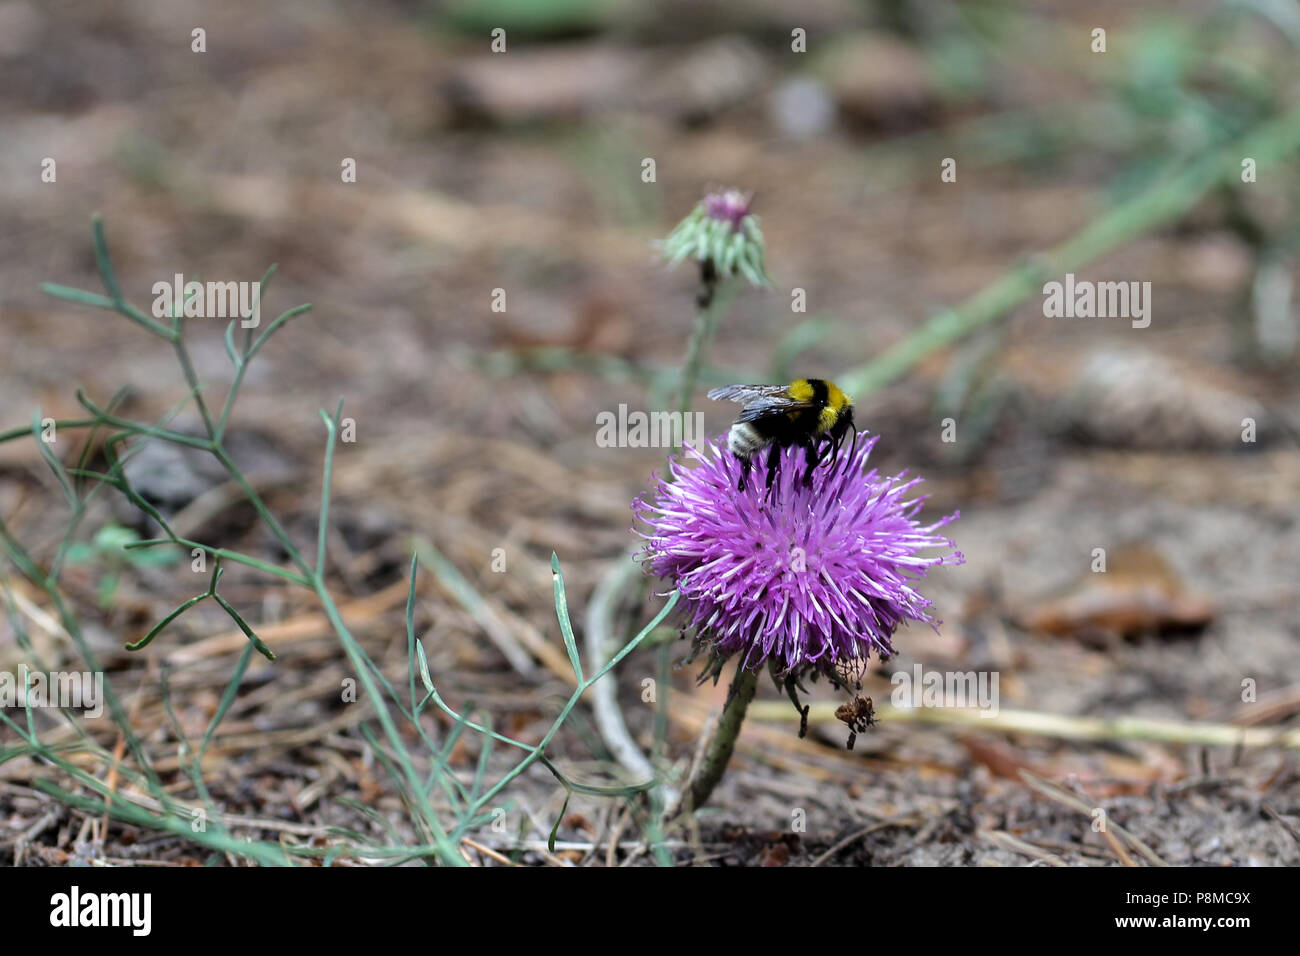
476,429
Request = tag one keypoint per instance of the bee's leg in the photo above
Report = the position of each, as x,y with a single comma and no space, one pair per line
849,445
744,473
837,445
813,452
832,452
773,461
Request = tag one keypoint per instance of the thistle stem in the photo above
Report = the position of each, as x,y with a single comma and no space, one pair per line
714,298
707,315
716,758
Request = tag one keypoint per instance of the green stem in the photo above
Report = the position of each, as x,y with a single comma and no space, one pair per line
743,687
192,379
706,323
1158,206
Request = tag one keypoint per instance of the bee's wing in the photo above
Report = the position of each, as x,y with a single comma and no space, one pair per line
770,405
744,394
760,401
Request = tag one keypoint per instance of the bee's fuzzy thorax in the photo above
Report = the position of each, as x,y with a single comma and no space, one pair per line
803,390
810,412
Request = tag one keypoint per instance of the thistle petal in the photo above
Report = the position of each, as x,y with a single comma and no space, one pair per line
732,553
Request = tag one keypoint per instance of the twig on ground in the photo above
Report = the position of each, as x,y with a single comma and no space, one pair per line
488,852
1016,845
1074,803
852,838
1286,824
1063,726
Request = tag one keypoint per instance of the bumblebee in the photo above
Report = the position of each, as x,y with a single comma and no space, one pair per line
858,715
811,412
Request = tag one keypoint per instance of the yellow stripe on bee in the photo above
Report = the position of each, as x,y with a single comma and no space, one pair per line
835,398
826,420
801,390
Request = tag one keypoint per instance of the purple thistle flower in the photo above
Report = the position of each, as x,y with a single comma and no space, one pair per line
731,206
808,579
723,235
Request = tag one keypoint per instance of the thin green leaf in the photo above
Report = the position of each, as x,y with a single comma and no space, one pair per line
322,529
227,698
562,612
275,326
158,628
79,296
102,260
550,841
230,345
424,667
243,626
410,630
56,466
484,754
